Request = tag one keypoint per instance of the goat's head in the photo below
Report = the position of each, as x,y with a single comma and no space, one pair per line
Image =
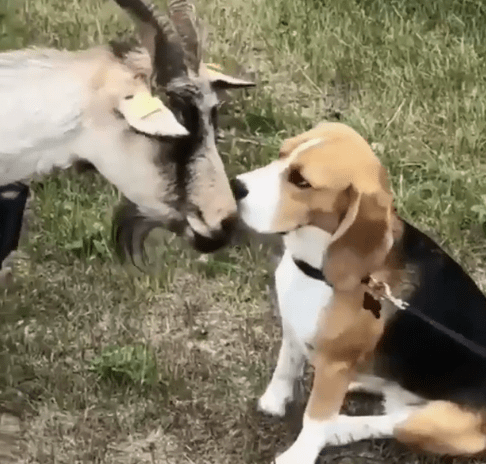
195,198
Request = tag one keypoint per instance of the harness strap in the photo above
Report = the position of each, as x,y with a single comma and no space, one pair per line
459,338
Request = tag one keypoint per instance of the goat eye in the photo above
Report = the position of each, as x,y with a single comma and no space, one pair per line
296,178
214,117
219,136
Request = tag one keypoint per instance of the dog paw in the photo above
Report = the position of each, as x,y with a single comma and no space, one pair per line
296,455
356,387
270,404
274,400
287,458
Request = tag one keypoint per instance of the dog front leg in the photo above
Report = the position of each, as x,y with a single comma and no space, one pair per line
331,381
346,335
280,390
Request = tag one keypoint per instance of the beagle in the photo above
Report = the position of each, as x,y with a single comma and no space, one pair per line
329,197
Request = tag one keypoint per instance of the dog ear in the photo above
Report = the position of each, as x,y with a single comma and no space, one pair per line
362,239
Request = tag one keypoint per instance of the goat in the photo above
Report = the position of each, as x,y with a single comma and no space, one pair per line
96,106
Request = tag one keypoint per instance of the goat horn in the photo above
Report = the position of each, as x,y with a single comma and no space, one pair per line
182,15
160,38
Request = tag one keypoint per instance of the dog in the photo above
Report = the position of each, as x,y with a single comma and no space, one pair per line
328,196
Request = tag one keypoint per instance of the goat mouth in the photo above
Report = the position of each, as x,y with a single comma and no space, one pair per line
131,228
205,245
213,239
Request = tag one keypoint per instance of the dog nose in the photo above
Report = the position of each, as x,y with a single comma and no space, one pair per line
239,189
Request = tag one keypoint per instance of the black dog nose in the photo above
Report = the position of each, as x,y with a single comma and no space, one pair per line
239,189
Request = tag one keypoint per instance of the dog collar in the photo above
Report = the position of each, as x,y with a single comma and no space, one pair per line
310,271
369,303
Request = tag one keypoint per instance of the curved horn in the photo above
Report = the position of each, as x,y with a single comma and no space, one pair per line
182,15
160,38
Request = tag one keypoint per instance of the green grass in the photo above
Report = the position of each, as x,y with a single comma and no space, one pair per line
106,365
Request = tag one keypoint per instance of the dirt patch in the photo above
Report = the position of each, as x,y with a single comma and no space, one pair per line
12,444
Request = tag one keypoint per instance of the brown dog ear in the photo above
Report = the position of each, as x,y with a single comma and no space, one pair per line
362,240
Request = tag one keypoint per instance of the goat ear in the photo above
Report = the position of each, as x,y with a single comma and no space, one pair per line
220,81
149,115
362,240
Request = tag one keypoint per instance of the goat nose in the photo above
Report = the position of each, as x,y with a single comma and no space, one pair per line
239,189
228,225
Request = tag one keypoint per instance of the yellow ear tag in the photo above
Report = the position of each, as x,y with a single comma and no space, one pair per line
214,67
214,70
143,104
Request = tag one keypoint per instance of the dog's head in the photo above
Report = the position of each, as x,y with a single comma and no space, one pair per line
330,178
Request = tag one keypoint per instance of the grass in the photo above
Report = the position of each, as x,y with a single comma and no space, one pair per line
105,365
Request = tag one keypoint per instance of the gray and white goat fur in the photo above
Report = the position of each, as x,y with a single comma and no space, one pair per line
60,107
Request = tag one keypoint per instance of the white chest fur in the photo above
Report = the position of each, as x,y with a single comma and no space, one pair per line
301,298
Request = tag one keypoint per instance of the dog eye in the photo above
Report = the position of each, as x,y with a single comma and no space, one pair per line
296,178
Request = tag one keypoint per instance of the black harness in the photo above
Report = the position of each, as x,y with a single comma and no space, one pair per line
310,271
369,303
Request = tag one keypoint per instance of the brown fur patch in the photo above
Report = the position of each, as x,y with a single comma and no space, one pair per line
364,245
444,428
347,337
384,180
289,145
